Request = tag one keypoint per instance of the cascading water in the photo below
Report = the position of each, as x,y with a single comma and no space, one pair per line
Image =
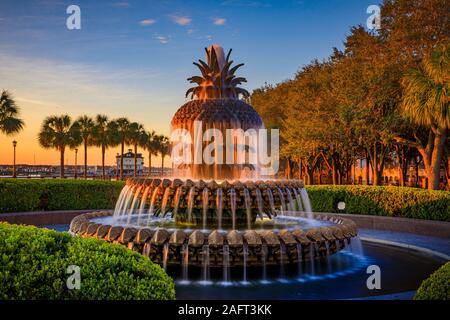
219,204
205,200
233,207
306,202
248,207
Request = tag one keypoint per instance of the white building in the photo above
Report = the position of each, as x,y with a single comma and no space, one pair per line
128,163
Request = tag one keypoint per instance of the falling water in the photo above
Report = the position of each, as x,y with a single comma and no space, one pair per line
226,264
128,198
177,201
165,200
248,207
233,207
312,257
281,195
147,249
271,200
205,264
356,246
282,261
219,204
306,202
185,263
244,258
133,204
152,202
299,259
143,202
205,199
297,198
264,263
259,202
190,203
120,200
291,204
165,255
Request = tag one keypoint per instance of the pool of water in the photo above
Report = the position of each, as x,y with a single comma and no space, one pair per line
340,276
275,223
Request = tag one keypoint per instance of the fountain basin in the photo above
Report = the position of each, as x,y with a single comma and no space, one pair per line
177,246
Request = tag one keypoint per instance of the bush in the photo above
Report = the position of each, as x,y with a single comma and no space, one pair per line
437,286
33,265
56,194
382,201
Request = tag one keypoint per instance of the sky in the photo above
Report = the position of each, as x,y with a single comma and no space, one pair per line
132,58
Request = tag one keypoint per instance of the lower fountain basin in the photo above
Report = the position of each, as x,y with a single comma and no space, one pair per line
285,240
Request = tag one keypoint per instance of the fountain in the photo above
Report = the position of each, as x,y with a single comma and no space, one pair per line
218,214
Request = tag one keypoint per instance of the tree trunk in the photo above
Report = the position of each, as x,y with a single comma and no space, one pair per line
121,160
334,171
367,167
103,162
436,159
61,163
85,159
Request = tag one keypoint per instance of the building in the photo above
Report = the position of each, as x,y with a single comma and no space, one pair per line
128,163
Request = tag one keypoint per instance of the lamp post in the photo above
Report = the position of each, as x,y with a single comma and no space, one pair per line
76,167
14,158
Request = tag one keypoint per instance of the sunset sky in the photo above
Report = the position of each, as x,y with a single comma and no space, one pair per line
132,58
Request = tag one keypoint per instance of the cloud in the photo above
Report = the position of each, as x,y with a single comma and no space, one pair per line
209,37
244,3
122,4
162,39
190,31
219,21
181,20
147,22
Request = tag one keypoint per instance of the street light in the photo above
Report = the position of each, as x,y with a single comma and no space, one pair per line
76,167
14,159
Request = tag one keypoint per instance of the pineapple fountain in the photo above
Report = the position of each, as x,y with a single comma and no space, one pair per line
217,215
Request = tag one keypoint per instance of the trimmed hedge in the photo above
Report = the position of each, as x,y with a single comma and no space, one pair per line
437,286
33,265
382,201
17,195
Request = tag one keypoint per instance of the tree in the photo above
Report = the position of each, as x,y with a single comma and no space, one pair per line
426,102
136,136
9,112
164,149
58,132
150,143
123,129
86,126
104,136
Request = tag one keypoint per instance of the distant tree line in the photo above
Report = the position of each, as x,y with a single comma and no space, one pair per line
61,133
384,97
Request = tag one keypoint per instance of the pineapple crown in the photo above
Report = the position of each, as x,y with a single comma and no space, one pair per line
217,80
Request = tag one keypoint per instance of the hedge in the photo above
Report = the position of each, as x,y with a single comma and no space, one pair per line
382,201
34,262
17,195
437,286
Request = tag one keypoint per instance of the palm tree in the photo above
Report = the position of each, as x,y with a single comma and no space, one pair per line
123,129
9,112
104,136
426,102
150,143
135,138
164,149
86,126
59,132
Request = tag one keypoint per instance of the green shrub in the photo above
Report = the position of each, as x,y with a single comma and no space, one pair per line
437,286
382,201
18,195
33,265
